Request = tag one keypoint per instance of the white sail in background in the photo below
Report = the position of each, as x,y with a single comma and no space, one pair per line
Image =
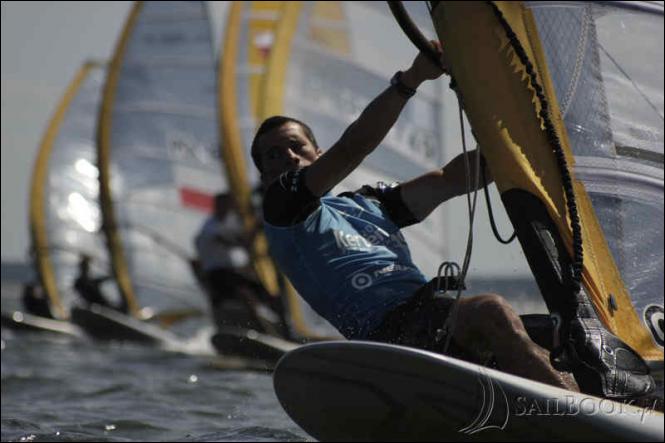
159,151
609,84
65,216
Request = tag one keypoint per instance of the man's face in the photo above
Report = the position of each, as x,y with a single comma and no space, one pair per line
283,149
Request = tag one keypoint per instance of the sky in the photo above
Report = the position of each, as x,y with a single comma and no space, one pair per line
43,45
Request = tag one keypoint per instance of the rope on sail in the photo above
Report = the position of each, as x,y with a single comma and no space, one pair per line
451,320
555,143
490,213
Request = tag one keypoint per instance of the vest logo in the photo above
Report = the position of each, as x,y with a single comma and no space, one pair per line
351,242
361,281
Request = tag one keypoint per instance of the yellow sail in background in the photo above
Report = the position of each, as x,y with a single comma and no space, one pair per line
110,225
41,243
256,54
247,45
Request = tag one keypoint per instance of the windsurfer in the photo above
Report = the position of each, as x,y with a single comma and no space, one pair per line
89,288
346,255
35,300
236,298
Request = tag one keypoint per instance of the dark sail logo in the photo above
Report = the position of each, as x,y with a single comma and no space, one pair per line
185,148
653,317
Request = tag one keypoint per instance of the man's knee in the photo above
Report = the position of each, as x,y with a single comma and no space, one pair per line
495,313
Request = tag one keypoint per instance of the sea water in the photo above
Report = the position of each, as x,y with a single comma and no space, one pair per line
59,388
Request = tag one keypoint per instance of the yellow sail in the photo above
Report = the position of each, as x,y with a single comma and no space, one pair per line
504,110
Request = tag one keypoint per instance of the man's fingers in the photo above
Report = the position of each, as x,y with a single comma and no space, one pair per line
439,49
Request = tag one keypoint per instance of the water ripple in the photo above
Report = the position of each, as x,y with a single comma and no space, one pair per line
80,391
252,433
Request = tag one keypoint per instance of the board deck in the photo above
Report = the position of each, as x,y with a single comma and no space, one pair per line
363,391
107,324
251,345
18,320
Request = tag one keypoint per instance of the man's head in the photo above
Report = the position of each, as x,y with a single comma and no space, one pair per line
282,144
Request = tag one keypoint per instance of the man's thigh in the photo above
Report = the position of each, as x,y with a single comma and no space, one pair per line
482,320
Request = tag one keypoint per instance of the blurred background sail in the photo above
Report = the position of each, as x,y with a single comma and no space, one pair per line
248,40
65,218
159,151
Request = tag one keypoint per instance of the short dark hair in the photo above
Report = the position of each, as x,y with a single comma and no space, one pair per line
275,122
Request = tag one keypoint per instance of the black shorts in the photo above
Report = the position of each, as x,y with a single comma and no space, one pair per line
418,323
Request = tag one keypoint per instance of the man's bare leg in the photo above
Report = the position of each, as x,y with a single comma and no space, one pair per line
488,322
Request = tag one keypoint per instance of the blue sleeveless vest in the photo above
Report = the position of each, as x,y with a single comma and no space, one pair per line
349,261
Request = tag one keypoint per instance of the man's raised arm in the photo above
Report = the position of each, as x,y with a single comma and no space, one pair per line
423,194
369,129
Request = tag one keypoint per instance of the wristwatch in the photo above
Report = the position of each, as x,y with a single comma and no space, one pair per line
396,82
